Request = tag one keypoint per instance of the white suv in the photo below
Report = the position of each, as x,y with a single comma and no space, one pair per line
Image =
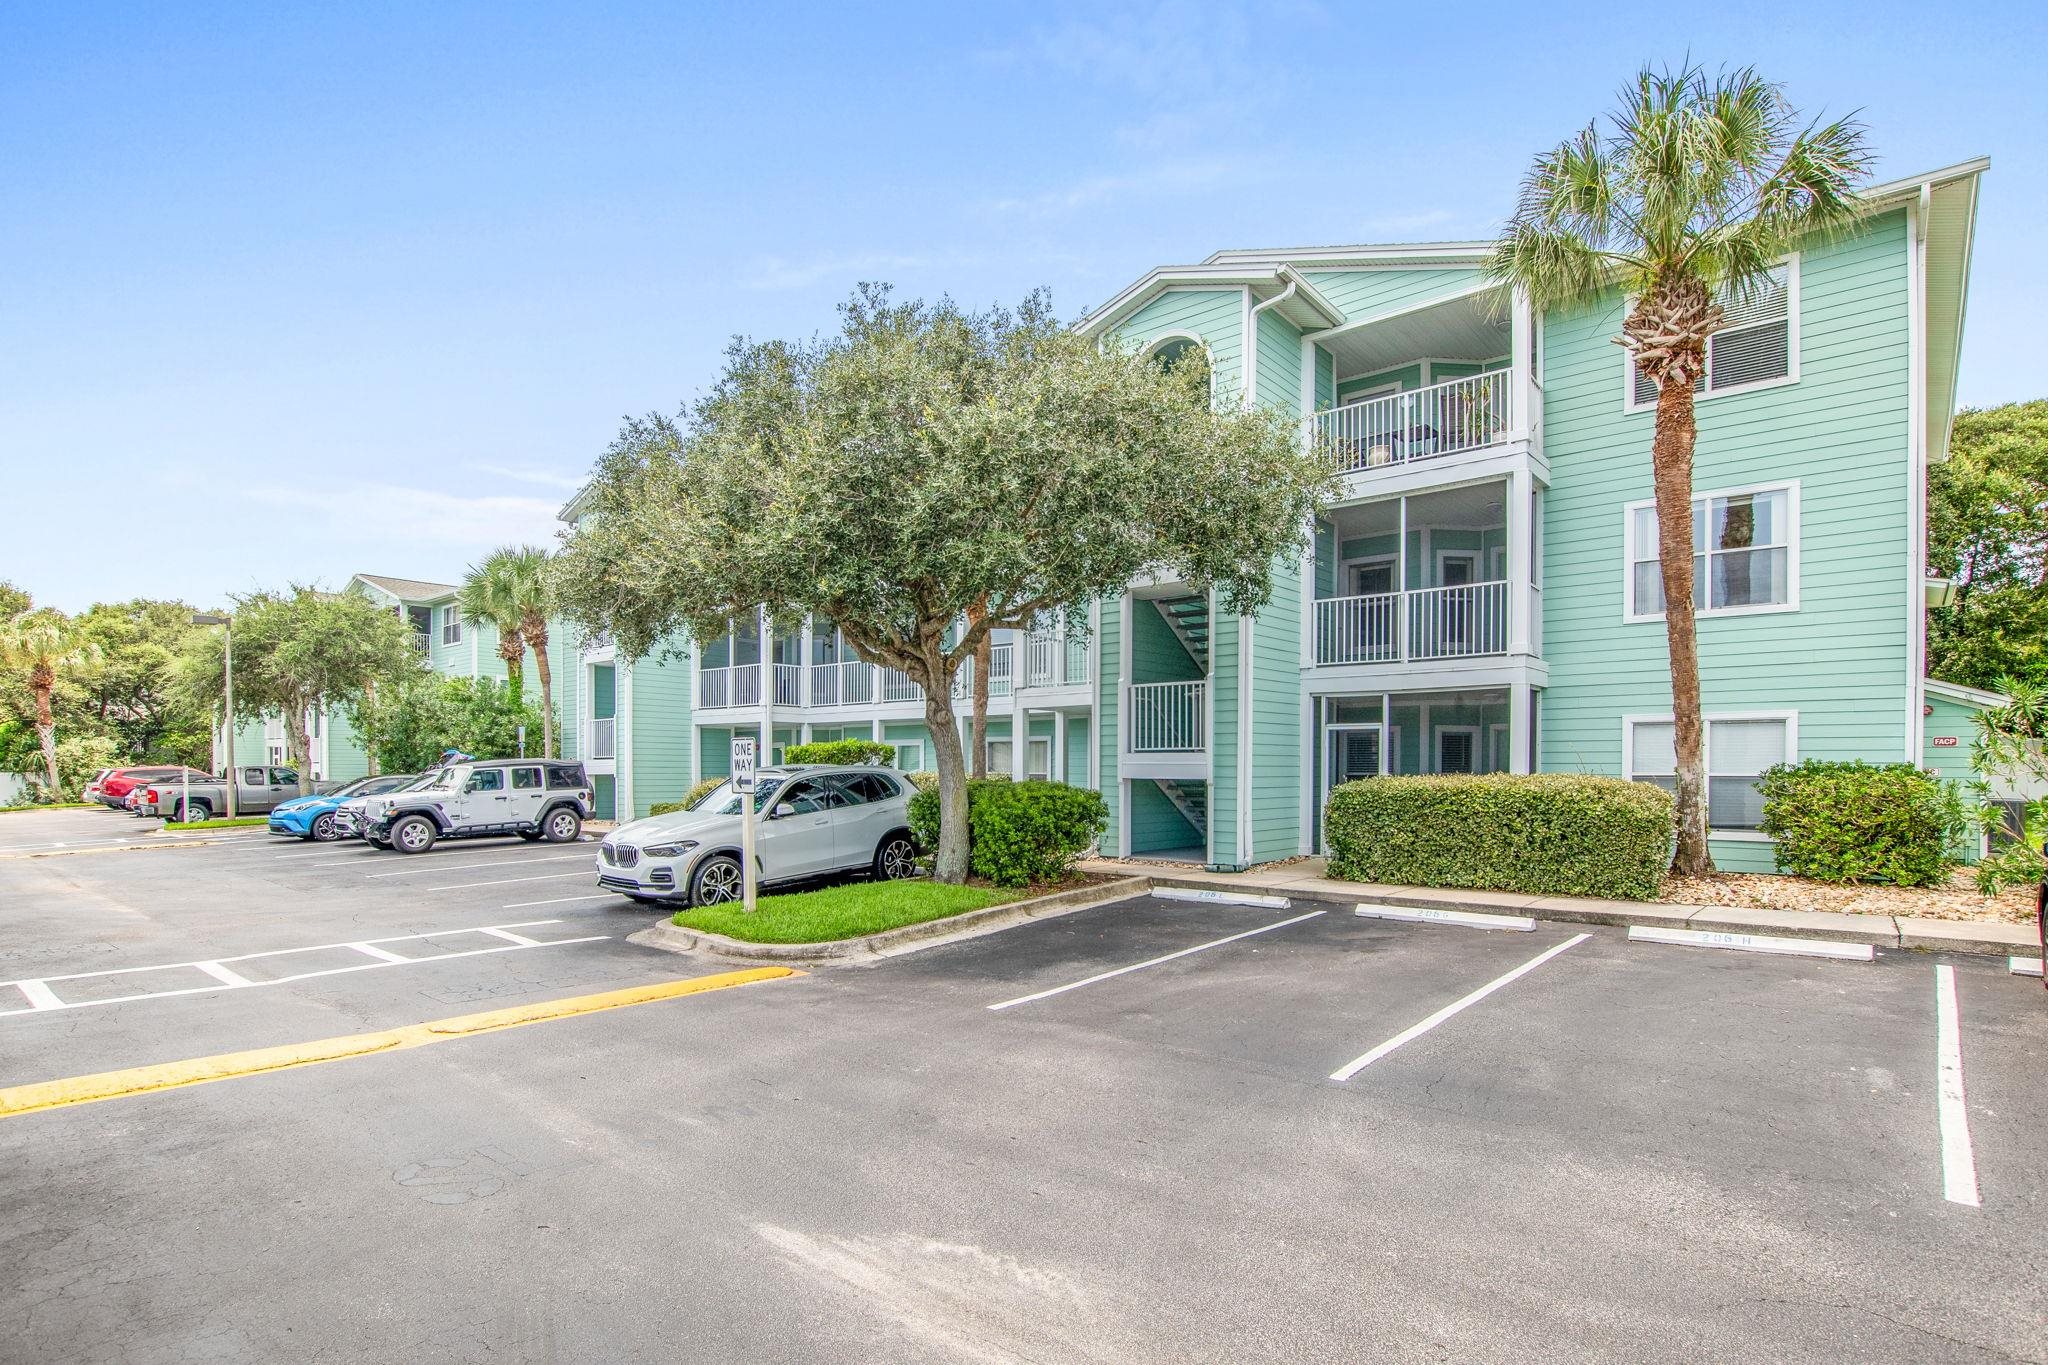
811,821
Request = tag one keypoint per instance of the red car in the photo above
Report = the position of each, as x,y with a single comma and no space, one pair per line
116,785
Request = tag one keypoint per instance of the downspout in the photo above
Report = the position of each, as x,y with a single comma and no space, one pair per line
1245,678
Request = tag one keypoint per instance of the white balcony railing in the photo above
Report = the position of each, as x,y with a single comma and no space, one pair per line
1052,660
603,737
1466,621
1443,419
789,684
897,686
856,683
824,684
1169,717
740,686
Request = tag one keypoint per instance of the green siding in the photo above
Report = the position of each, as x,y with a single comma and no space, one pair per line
1840,661
1223,739
1326,379
1156,823
1407,377
1075,769
1108,685
659,733
1374,293
346,758
1157,655
1279,361
714,749
1277,740
1214,315
1949,719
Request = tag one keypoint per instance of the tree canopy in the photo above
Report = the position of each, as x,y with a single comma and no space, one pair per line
1987,528
407,727
927,475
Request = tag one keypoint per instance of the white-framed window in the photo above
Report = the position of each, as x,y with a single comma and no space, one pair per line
910,756
1738,746
1038,759
1757,345
451,626
1457,749
998,756
1745,558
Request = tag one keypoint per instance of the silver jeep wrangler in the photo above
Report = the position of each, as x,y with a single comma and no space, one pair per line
532,798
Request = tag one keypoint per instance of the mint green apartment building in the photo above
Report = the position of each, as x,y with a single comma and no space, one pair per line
1481,597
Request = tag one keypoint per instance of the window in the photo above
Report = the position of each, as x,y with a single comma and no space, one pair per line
861,788
1758,342
1745,553
284,777
565,777
910,757
254,777
998,758
451,626
1174,352
1738,749
1457,749
526,779
1038,760
486,780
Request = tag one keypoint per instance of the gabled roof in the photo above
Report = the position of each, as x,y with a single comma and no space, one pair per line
407,589
1968,696
1305,306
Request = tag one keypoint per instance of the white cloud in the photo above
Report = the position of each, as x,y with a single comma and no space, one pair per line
546,478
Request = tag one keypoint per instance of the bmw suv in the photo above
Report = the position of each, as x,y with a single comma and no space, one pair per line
529,797
811,821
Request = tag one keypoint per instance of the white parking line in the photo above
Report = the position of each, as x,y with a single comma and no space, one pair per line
1352,1068
43,999
1958,1160
1139,966
507,881
495,862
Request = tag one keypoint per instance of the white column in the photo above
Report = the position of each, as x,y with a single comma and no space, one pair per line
1020,740
1056,764
1521,701
1401,588
1519,561
1522,361
1386,733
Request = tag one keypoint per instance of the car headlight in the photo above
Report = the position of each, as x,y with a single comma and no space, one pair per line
669,850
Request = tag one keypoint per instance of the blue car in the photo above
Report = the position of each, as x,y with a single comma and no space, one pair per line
312,817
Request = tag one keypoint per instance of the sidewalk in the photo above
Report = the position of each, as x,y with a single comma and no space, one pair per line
1305,880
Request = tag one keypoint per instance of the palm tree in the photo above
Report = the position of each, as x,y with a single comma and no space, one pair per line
1700,187
43,644
488,595
526,572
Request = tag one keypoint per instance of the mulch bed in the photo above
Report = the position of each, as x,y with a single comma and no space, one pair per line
1956,901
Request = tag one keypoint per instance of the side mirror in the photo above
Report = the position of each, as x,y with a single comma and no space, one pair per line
782,811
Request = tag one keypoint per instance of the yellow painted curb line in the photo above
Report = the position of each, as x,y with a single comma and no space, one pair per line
143,1080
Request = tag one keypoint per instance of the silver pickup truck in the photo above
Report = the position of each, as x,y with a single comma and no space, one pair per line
256,792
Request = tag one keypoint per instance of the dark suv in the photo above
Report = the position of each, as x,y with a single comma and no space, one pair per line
533,798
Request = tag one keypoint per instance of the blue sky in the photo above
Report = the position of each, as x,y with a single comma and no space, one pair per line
291,292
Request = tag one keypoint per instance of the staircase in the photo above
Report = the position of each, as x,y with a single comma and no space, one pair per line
1188,617
1191,799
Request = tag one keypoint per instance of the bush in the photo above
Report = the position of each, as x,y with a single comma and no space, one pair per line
846,751
690,798
924,780
1018,832
1863,822
1556,834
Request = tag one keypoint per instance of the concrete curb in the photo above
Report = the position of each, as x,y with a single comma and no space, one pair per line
1987,937
672,938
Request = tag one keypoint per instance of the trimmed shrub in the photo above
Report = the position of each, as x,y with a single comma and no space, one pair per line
924,780
690,798
1554,834
847,751
1863,822
1018,832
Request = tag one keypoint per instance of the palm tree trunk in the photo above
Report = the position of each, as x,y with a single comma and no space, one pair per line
1671,462
46,736
512,649
537,639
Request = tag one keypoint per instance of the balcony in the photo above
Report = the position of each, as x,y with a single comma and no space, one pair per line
603,737
1462,621
1458,415
1054,660
723,687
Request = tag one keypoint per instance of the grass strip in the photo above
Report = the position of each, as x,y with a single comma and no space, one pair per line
838,912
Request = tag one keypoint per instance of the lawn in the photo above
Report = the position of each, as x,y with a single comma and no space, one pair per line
846,911
237,823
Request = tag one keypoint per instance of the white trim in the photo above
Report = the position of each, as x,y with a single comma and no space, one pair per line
1471,732
1437,301
1789,487
1791,376
1916,478
1707,719
1247,680
1968,696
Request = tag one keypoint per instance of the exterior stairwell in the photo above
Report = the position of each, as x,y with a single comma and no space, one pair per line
1191,799
1188,617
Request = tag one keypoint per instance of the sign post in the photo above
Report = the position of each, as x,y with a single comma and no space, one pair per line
743,786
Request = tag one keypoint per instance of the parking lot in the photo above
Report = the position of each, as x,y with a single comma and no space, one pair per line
1117,1134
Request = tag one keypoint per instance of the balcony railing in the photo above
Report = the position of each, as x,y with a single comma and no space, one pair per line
603,737
1169,717
897,686
1052,660
1443,419
1465,621
739,686
789,684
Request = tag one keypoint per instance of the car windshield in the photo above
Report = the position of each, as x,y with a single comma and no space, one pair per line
442,781
722,800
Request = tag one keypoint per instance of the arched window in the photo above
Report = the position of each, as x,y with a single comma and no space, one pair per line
1176,351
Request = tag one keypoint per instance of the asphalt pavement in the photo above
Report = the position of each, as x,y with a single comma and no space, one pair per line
1112,1135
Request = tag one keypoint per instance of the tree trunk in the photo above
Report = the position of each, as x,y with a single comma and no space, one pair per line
43,681
298,748
512,649
537,640
1671,461
951,862
984,654
367,739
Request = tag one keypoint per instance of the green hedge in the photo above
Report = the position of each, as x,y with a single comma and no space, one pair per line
847,751
1863,822
1018,832
690,798
1557,834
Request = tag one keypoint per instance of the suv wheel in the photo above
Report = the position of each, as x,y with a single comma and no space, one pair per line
324,829
717,881
413,834
895,859
560,825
